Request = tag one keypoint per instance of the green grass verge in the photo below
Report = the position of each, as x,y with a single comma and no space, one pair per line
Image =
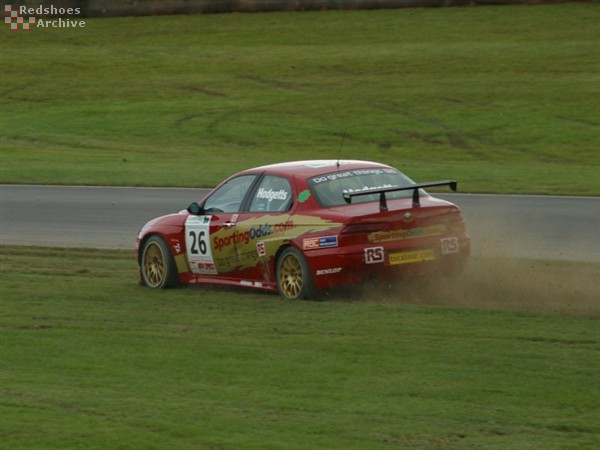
92,360
504,99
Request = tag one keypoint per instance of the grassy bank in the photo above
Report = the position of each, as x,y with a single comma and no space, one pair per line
90,359
504,99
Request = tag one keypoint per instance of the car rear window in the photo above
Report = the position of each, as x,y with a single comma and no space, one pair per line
329,188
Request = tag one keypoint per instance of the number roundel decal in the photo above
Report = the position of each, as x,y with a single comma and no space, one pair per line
197,235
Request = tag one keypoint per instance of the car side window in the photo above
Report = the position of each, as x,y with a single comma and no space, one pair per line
229,197
274,194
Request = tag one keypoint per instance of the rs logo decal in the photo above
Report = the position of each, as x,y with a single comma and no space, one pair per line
449,245
374,255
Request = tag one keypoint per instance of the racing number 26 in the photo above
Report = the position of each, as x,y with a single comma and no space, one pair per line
199,245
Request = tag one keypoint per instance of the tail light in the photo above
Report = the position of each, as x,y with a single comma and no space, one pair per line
456,227
455,223
358,228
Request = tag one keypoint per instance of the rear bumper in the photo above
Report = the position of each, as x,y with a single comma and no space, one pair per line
339,266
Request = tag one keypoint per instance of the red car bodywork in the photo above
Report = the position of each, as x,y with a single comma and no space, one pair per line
342,244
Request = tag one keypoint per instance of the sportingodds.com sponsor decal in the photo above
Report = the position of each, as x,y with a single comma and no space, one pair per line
237,249
261,230
246,244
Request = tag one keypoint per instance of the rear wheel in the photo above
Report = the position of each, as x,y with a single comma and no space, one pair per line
293,275
157,264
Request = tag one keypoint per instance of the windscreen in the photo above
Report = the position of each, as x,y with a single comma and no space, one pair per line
330,188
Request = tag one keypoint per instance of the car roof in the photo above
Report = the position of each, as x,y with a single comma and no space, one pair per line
315,167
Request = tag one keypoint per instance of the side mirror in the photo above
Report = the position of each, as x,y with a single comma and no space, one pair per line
194,209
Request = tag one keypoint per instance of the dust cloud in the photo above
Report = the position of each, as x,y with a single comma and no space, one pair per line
554,287
496,279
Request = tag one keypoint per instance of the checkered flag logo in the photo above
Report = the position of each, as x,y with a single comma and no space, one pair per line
14,20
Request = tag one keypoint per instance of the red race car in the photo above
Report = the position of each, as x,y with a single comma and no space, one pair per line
303,227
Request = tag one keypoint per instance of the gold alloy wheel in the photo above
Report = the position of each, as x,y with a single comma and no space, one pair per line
291,277
154,265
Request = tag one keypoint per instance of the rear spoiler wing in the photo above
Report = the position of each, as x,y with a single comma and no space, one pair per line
414,187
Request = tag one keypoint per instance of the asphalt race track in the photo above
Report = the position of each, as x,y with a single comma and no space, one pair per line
566,228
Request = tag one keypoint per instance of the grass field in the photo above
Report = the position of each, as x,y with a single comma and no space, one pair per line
92,360
504,99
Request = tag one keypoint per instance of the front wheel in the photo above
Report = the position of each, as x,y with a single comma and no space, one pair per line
157,264
293,276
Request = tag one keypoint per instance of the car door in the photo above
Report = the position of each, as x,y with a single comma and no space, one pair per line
263,226
211,237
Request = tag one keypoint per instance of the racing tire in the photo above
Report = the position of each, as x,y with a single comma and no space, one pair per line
157,265
294,280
